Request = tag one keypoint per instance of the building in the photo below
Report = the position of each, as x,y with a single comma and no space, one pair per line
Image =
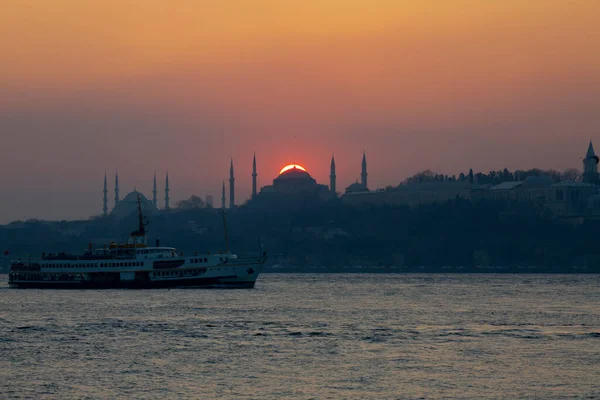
411,195
122,208
293,186
564,199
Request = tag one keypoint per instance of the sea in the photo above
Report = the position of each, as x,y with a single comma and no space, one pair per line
308,336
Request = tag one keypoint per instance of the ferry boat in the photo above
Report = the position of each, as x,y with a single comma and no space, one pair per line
136,265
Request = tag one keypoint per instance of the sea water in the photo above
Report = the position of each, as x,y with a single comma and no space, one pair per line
308,336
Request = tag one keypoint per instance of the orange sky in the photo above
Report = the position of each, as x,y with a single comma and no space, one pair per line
152,85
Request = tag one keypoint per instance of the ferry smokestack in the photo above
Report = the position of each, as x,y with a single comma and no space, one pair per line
157,242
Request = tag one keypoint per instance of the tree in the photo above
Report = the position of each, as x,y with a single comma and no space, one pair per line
193,203
571,174
422,177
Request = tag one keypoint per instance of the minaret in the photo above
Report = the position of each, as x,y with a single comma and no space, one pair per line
105,200
363,174
254,174
116,188
223,199
590,166
167,192
154,200
332,177
231,186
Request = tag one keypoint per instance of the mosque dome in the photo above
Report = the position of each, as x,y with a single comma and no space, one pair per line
356,187
133,196
294,174
128,205
294,179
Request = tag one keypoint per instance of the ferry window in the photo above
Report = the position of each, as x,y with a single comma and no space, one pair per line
206,260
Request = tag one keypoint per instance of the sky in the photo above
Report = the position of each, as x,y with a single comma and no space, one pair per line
145,86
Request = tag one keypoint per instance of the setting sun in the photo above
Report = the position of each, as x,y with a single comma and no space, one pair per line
292,166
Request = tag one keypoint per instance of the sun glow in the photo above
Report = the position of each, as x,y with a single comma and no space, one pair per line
292,166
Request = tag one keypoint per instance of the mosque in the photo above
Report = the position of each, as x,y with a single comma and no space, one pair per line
124,207
293,185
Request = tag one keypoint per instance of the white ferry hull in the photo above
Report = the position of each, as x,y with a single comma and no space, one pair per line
240,273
